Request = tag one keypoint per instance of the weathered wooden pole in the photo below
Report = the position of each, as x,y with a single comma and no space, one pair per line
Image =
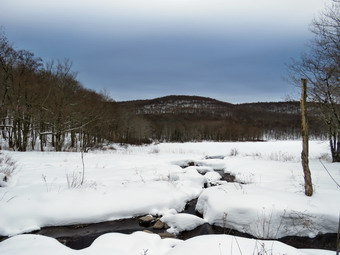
338,239
305,138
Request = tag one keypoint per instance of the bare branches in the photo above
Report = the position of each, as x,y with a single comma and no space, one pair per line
329,174
321,66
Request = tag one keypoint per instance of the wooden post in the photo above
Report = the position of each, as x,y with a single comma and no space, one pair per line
305,138
338,239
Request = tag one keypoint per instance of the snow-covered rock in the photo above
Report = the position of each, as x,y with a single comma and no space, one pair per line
212,176
182,222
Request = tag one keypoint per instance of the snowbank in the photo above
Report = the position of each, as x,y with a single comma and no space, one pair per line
141,243
116,186
269,214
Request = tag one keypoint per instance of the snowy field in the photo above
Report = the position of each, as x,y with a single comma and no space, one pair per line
267,201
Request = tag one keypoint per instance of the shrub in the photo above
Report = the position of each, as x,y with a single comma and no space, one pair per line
75,181
7,165
233,152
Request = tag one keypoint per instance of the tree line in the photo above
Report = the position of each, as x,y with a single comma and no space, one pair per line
45,103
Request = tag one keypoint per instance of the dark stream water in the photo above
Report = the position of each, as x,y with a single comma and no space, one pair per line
82,236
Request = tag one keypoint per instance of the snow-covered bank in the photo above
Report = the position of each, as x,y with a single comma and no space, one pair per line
141,243
137,180
268,213
116,186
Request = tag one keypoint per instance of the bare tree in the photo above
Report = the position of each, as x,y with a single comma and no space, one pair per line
321,66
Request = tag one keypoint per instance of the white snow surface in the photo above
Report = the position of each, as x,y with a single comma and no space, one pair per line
151,244
138,180
317,252
212,176
181,222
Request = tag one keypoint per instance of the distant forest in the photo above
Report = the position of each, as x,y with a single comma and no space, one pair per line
44,106
193,118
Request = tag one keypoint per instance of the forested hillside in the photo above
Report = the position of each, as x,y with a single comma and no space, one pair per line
44,106
188,118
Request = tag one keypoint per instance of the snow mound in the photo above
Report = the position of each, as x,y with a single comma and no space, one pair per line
230,245
204,169
266,213
182,222
212,176
151,244
32,245
108,244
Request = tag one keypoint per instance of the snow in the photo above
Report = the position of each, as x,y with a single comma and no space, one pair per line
268,213
139,180
272,202
111,191
226,244
151,244
113,243
317,252
212,176
181,222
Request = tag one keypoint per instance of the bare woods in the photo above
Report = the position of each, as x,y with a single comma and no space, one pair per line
44,103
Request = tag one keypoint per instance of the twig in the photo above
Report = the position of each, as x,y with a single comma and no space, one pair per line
279,227
238,246
10,199
219,247
82,160
329,173
3,195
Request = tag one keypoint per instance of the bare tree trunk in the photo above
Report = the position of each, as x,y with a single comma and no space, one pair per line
82,149
305,138
53,137
338,239
42,137
73,139
25,131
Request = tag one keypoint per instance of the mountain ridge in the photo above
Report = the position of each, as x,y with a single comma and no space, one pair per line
188,118
178,103
169,97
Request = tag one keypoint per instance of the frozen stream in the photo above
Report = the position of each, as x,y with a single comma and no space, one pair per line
82,236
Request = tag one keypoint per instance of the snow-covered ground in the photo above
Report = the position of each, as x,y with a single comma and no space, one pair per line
141,243
132,181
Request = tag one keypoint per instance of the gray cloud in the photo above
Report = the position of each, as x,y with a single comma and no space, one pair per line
227,52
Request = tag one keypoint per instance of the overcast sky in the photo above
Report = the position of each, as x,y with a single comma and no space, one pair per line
231,50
